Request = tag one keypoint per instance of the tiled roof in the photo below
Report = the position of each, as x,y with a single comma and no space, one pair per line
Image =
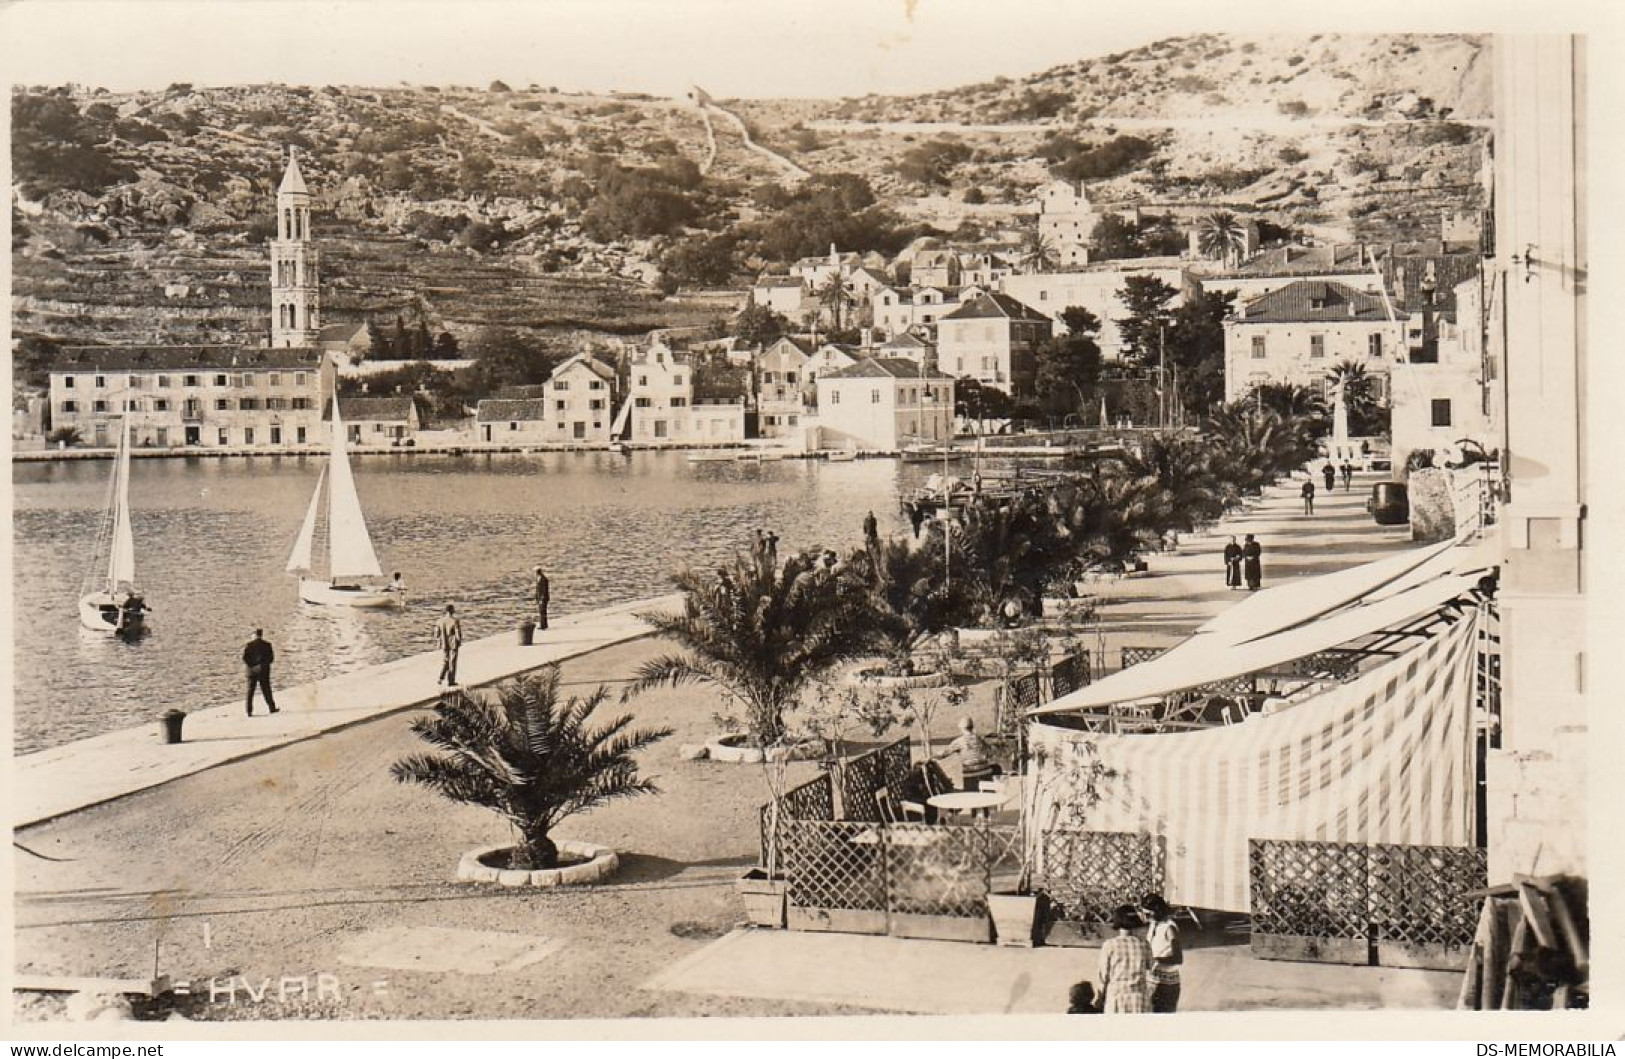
905,341
185,358
520,393
802,346
502,410
597,367
340,332
779,281
1313,301
886,368
356,409
987,306
1405,274
1302,261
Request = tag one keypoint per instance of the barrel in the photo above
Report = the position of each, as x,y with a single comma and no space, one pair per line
1390,504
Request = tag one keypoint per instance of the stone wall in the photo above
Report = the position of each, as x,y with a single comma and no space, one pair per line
1433,510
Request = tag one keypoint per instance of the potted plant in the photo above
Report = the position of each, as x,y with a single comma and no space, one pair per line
760,633
1055,786
523,754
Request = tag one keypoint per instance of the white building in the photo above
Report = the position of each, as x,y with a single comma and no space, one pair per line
1299,333
1096,288
378,420
993,339
513,421
783,392
784,295
580,399
1067,220
897,310
1438,391
885,405
663,408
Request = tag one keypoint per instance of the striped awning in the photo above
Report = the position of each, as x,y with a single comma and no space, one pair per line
1385,758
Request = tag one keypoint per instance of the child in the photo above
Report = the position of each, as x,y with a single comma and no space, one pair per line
1081,1001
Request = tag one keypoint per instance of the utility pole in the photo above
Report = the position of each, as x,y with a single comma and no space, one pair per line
1162,379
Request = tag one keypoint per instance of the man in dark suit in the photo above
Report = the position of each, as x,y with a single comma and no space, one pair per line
258,654
544,595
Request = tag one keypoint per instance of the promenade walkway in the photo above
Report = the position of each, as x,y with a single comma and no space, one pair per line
87,772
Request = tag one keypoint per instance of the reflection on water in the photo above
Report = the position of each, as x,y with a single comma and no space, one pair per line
212,538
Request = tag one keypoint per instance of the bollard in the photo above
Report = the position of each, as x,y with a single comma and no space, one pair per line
170,725
527,633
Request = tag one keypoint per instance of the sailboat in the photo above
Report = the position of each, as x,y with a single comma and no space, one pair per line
115,607
350,554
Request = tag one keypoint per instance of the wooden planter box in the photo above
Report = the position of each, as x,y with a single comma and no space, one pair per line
978,929
764,898
1355,951
837,920
1427,957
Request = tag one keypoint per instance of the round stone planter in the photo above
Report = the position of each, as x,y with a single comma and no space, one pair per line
596,863
736,750
874,675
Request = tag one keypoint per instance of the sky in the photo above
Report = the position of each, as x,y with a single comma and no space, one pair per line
760,48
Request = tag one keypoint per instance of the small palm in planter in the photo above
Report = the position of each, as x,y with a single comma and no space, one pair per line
525,755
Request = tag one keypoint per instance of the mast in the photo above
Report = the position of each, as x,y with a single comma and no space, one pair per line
121,556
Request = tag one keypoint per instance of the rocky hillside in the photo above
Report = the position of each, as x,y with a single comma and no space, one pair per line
143,216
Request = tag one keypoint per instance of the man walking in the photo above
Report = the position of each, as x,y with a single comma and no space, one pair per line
1232,565
448,636
258,654
544,593
1348,475
1329,472
1309,497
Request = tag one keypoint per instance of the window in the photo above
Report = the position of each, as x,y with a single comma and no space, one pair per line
276,435
1441,411
835,397
101,381
513,425
189,380
679,402
160,405
677,380
642,402
224,436
1374,344
135,382
276,404
643,380
595,384
248,404
163,382
596,405
99,406
248,435
1317,345
299,378
790,376
1258,347
1043,295
220,405
67,382
560,405
767,376
220,380
70,406
299,434
874,396
561,384
276,378
301,404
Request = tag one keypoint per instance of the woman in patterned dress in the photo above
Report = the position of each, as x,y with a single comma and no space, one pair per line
1125,967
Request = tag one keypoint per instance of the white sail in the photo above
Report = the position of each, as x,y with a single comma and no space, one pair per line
121,557
348,542
623,421
305,546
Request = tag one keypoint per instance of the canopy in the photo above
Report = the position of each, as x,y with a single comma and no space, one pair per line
1386,758
1208,658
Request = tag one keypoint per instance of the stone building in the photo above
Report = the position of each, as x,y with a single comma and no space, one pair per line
993,339
884,405
1067,220
1299,333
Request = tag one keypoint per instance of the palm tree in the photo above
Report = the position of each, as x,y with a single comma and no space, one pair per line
1290,399
1221,234
761,634
1038,253
911,593
836,295
1181,465
522,754
1366,415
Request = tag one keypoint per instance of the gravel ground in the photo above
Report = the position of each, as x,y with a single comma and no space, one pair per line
274,866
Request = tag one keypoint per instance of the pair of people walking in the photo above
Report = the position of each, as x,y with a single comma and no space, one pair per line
1141,975
1244,561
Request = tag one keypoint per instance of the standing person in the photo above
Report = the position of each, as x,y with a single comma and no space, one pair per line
448,636
1329,472
1348,475
770,549
258,654
1309,497
1125,967
871,527
1252,563
1232,565
1166,954
397,585
543,594
975,756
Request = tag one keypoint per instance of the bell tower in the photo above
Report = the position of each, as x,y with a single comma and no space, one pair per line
295,295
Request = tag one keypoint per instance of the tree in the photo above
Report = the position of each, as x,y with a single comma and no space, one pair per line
1195,342
910,591
1038,253
445,346
760,634
700,260
506,356
1221,235
757,325
1068,366
378,344
835,295
1146,298
523,755
1114,239
972,400
1367,416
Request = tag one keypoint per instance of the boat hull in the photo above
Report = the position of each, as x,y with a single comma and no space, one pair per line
322,593
99,612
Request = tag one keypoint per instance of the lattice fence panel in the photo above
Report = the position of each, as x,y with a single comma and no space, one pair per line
883,768
1011,701
1416,893
1133,656
834,864
1337,665
813,800
938,871
1310,889
1069,674
1088,873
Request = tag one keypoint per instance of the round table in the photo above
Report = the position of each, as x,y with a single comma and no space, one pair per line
967,801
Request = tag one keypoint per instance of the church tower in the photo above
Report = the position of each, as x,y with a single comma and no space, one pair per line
295,297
